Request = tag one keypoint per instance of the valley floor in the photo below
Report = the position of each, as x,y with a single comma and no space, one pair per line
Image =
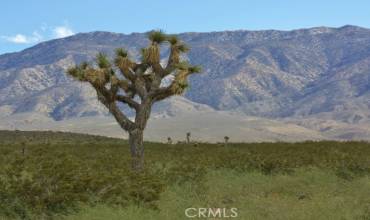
205,127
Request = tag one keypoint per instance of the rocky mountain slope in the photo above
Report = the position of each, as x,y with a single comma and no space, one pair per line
319,74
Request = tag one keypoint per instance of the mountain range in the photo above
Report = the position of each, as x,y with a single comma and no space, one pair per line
316,81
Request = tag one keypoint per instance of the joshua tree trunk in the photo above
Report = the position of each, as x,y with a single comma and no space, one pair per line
188,137
137,149
136,135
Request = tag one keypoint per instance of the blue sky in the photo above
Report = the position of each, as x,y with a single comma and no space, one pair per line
25,23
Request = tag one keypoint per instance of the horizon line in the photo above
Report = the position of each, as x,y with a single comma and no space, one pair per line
191,32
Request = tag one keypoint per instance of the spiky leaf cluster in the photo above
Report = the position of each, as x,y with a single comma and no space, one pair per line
157,36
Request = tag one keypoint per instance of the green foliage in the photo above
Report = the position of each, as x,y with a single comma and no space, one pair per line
184,65
308,193
183,86
77,72
157,36
61,172
144,54
183,48
173,39
120,52
195,69
103,61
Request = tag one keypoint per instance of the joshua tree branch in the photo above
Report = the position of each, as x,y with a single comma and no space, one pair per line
127,72
106,98
143,113
129,101
173,89
140,87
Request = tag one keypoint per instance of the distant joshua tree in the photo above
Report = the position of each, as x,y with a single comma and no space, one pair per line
188,134
137,84
23,145
226,140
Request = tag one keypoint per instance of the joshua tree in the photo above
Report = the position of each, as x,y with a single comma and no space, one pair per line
137,84
23,145
24,141
226,140
188,134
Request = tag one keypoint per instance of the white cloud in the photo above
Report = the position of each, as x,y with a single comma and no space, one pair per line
23,39
45,32
18,39
62,31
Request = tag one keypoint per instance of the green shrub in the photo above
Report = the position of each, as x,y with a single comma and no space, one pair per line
60,172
